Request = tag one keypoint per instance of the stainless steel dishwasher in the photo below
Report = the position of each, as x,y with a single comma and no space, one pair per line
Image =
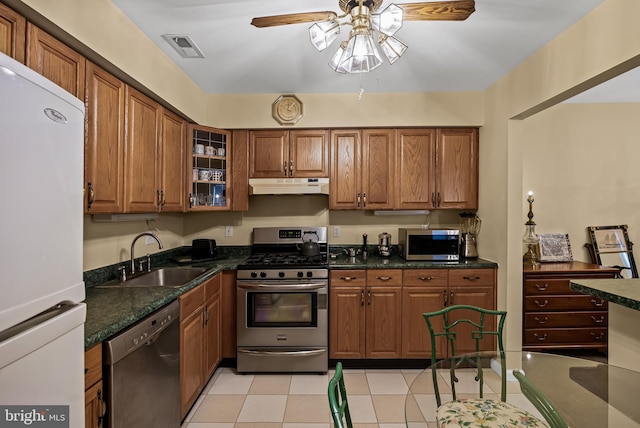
144,372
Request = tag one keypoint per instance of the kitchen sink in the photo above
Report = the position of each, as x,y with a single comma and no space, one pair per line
162,277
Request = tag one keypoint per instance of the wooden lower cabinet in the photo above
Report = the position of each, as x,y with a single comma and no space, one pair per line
94,405
364,320
200,343
555,316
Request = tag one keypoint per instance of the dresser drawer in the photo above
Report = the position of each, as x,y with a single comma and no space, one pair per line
384,277
533,337
547,286
350,277
425,277
565,319
555,303
471,276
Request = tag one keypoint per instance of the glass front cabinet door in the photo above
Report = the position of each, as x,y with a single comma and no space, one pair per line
208,169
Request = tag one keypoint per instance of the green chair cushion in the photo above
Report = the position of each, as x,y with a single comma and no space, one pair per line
484,413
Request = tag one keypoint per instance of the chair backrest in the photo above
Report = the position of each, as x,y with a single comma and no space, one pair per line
453,321
338,403
540,401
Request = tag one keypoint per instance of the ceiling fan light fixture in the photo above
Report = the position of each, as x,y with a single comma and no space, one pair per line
323,33
336,59
360,55
389,20
392,48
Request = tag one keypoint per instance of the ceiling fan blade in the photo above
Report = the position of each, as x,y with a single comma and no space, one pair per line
458,10
293,18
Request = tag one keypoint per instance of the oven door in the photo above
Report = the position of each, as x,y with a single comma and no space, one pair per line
282,313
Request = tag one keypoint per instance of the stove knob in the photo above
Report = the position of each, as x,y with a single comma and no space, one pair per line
281,274
300,274
263,274
254,274
309,274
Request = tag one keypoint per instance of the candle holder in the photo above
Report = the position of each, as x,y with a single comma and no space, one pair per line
530,239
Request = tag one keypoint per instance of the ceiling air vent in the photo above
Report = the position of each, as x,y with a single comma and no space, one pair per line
183,44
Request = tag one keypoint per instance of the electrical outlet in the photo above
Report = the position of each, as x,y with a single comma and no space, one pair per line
149,240
228,231
336,231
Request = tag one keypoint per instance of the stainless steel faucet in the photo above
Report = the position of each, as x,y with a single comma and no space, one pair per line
133,266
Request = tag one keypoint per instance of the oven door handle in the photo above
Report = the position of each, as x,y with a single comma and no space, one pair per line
262,286
308,352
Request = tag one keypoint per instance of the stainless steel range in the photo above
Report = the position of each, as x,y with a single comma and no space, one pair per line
282,302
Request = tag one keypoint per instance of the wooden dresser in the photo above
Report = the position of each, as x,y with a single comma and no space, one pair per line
556,317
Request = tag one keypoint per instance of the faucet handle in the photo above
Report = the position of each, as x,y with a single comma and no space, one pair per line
122,273
148,262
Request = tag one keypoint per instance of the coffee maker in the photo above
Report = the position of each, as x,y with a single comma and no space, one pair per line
384,244
469,228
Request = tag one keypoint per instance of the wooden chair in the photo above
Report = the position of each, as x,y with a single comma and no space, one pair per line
539,400
338,403
450,323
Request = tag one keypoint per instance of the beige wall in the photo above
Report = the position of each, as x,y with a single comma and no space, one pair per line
603,44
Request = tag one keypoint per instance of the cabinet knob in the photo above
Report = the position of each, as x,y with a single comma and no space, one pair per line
425,278
541,304
597,303
383,278
599,320
541,337
91,196
597,336
347,278
471,278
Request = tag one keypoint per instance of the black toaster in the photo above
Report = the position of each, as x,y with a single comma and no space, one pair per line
203,249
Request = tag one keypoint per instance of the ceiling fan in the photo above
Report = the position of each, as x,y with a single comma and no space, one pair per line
358,54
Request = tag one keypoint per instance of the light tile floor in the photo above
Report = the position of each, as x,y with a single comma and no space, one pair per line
376,399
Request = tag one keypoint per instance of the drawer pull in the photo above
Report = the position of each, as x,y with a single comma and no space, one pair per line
541,320
471,278
598,321
348,278
542,287
597,336
540,338
361,297
383,278
596,303
543,304
425,278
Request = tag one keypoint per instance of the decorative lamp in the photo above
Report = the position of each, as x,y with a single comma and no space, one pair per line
530,238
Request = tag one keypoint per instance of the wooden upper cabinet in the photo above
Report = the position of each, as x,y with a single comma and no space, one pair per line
309,153
104,142
378,153
173,162
280,153
268,153
415,183
362,169
12,33
457,168
346,164
55,61
142,168
240,170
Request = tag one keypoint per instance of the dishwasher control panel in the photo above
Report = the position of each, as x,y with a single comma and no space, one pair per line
142,332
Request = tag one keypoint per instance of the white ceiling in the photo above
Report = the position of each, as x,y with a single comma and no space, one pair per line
442,56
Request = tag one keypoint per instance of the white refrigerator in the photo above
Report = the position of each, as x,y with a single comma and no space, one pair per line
42,313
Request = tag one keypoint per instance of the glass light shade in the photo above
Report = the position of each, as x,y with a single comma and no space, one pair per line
322,34
360,55
388,21
335,61
392,48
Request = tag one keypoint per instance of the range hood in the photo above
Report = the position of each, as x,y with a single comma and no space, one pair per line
289,186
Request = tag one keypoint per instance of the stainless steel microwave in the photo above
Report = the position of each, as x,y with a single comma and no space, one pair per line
429,244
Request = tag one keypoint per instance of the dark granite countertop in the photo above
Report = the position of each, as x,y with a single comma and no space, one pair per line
625,292
111,310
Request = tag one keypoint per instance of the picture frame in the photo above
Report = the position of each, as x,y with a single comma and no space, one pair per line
611,246
555,247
